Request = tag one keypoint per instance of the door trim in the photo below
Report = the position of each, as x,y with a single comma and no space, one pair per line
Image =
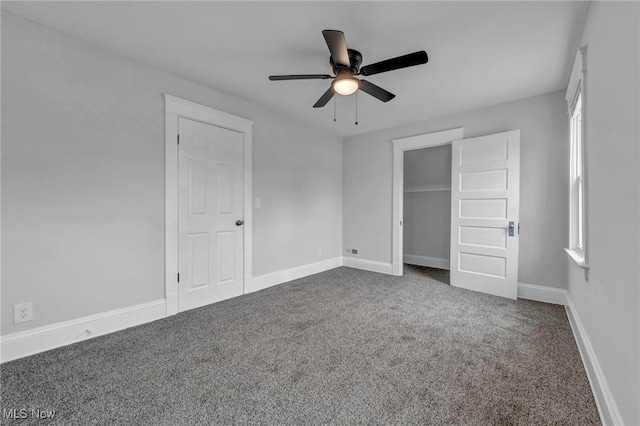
426,140
174,108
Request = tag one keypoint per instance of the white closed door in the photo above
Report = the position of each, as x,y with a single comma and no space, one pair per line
485,192
210,240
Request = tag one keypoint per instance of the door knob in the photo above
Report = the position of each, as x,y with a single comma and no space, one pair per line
239,222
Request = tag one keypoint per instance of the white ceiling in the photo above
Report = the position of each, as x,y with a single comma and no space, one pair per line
480,53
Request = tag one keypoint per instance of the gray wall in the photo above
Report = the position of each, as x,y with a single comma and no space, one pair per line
83,178
427,215
542,121
609,303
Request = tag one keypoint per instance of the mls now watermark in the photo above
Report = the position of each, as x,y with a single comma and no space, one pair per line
23,413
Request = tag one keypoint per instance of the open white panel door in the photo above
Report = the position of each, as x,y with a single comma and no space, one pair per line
485,191
210,216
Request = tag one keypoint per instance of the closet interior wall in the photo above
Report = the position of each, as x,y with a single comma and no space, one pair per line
427,206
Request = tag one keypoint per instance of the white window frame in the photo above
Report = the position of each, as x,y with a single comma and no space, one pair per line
578,223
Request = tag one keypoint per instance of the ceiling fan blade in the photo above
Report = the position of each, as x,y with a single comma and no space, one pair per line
376,91
325,98
338,47
412,59
299,77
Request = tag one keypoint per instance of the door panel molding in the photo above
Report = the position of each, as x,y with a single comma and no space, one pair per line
174,108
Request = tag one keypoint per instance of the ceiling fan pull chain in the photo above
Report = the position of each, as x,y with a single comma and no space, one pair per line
356,108
334,109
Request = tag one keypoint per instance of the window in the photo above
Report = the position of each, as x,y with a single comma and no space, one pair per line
578,213
577,181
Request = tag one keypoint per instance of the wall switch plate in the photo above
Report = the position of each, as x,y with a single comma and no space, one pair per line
258,203
319,252
22,312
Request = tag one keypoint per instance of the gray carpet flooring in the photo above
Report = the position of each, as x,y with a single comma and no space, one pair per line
340,347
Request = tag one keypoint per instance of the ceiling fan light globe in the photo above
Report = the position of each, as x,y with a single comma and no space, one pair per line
346,85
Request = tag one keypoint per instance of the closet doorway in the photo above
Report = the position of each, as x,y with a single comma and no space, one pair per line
484,200
400,147
427,207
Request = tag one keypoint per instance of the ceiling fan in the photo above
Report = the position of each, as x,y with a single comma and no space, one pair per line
346,65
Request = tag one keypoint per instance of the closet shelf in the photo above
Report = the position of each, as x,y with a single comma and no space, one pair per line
428,188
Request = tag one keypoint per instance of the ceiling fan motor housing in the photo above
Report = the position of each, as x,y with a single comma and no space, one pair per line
355,58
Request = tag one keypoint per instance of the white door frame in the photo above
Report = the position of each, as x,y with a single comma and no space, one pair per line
173,109
427,140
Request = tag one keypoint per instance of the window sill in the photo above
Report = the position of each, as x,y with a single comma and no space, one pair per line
578,258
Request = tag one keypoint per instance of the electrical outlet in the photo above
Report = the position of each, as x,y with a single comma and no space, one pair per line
258,203
319,252
22,312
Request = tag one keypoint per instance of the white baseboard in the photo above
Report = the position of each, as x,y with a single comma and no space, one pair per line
29,342
368,265
431,262
609,413
540,293
269,280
